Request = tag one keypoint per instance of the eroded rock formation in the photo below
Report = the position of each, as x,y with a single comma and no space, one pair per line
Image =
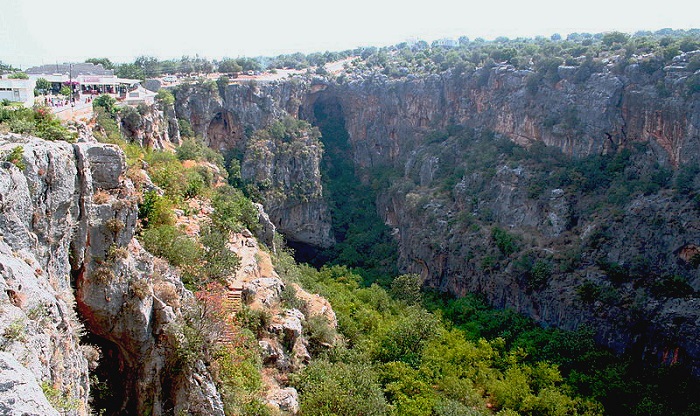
67,225
582,111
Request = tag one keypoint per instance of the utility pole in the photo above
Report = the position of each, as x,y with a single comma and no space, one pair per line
70,84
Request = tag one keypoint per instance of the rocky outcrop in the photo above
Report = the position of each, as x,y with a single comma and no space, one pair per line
68,219
152,126
283,342
225,117
20,394
285,170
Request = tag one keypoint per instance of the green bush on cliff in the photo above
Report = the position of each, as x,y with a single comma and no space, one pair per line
38,121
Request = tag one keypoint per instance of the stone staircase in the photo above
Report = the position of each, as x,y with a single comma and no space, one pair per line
234,303
234,298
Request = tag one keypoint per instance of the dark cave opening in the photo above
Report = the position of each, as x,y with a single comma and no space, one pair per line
363,241
108,381
224,132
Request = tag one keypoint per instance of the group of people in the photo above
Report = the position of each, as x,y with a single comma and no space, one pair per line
63,102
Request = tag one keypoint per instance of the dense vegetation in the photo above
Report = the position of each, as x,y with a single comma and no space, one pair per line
588,52
465,358
37,121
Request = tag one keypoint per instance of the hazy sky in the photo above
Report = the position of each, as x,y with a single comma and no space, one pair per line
46,31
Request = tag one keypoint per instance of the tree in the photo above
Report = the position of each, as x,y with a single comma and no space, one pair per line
186,66
165,97
130,71
229,66
407,288
18,75
222,82
410,333
689,44
149,65
340,389
611,38
43,85
105,62
107,102
5,67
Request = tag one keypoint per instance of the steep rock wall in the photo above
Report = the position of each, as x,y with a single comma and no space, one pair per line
581,113
598,114
287,172
68,218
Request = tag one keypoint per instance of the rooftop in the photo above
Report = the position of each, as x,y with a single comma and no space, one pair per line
74,69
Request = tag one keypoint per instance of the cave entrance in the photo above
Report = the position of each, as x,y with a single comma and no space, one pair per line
108,381
224,132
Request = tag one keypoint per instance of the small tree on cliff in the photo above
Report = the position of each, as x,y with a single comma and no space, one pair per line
107,102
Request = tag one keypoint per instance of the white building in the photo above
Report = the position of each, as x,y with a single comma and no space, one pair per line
18,90
139,95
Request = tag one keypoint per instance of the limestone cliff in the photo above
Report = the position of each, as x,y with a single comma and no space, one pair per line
153,126
286,170
68,259
403,125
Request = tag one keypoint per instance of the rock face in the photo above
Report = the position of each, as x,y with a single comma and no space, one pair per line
153,126
585,111
21,394
67,225
285,170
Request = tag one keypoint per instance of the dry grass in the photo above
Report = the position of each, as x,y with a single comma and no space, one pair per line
140,288
167,293
100,197
103,274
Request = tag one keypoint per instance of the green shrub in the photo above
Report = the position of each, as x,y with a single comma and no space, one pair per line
106,102
189,149
340,389
255,320
505,242
320,334
165,97
185,128
109,131
674,286
407,287
233,211
172,244
156,210
15,157
289,298
59,400
219,261
15,331
588,292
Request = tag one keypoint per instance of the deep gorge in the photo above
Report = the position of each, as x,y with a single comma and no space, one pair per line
418,144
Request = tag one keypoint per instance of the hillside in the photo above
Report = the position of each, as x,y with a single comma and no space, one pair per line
496,227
